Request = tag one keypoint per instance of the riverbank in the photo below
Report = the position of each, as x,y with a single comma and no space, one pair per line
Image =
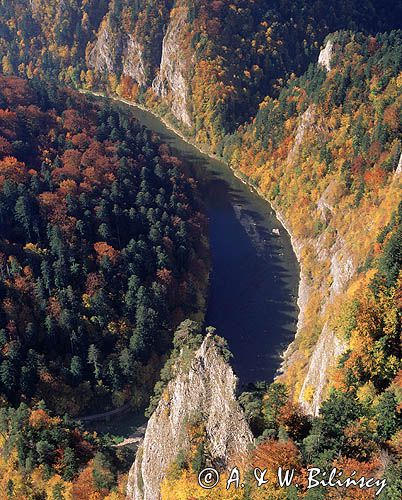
303,289
120,427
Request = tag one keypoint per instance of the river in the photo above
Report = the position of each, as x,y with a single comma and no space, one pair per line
255,273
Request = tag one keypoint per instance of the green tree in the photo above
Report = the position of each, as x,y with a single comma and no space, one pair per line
76,367
70,464
94,359
274,399
386,414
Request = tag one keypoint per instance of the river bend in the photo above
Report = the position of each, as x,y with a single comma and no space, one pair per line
255,274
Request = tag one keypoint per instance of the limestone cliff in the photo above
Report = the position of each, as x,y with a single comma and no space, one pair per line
205,390
171,82
133,60
324,59
105,56
117,51
142,54
336,258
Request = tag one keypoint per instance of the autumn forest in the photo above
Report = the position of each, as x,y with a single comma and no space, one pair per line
105,257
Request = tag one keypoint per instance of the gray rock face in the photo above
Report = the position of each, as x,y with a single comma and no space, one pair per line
342,270
107,53
306,124
171,79
115,50
325,56
398,170
325,204
207,390
133,61
325,356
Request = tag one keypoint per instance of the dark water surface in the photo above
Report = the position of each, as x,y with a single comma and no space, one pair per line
254,278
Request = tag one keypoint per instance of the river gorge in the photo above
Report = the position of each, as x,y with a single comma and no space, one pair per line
254,277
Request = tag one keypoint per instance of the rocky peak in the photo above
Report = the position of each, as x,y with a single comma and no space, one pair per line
325,57
206,389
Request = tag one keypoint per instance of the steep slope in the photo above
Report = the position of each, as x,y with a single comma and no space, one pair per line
330,145
198,404
97,222
92,282
322,143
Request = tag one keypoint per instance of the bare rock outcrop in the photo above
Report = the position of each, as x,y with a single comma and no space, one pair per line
326,204
325,57
324,357
206,390
133,61
398,170
107,52
342,270
172,80
306,123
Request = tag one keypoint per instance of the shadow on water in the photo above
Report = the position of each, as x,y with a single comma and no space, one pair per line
254,278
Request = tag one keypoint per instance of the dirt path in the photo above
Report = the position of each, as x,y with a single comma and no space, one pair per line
105,415
135,439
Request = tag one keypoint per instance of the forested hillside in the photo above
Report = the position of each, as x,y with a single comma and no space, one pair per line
359,425
47,456
99,251
330,145
102,253
211,62
100,234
